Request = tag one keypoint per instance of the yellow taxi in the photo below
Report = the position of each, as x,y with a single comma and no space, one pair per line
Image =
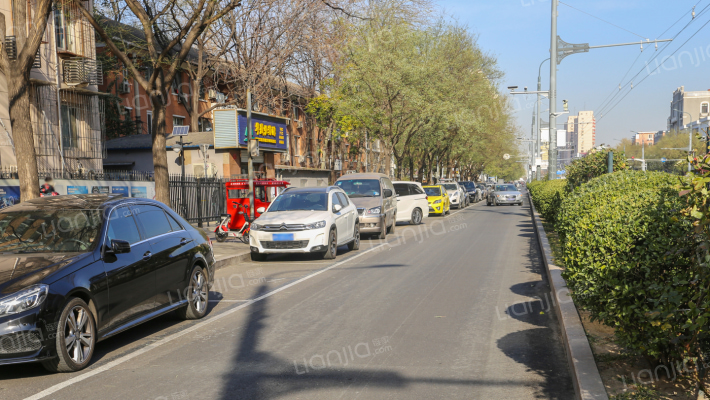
439,202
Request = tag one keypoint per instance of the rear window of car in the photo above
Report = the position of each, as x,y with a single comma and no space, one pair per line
402,189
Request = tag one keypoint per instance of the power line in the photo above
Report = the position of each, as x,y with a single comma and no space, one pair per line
603,20
644,78
656,55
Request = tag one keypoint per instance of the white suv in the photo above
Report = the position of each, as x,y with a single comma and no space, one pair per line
306,220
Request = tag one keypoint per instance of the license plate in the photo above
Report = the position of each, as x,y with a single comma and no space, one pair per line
282,237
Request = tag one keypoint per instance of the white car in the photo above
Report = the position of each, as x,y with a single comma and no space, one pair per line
412,203
306,220
457,195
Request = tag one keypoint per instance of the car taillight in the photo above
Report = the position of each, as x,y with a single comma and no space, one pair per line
427,197
209,241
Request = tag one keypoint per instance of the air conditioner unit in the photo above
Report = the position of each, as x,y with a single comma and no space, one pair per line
220,97
181,99
212,94
124,86
80,70
299,124
122,110
301,159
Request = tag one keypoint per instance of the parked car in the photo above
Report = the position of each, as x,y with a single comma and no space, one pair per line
374,196
412,204
77,269
306,220
472,191
505,194
439,202
457,194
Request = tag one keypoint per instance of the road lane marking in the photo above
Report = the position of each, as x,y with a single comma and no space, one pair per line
53,389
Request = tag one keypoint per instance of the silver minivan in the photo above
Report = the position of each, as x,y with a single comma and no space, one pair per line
374,196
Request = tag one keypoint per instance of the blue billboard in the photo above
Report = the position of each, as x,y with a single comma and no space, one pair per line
269,131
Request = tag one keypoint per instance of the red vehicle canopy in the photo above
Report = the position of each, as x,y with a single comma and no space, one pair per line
244,183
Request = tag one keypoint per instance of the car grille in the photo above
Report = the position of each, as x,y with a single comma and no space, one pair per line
284,227
20,342
510,197
295,244
360,211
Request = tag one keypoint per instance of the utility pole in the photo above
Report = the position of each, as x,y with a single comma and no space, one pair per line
552,155
251,160
538,170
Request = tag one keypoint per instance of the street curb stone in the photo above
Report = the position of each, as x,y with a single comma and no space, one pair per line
232,260
588,383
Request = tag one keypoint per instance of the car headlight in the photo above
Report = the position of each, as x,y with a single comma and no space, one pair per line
23,300
501,196
316,225
456,194
256,227
438,201
375,210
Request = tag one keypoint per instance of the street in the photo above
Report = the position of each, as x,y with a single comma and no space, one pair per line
456,309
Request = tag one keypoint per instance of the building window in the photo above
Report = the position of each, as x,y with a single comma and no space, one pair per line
60,28
295,113
704,108
149,122
178,121
70,126
204,125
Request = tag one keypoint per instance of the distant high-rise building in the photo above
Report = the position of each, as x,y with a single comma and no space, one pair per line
581,133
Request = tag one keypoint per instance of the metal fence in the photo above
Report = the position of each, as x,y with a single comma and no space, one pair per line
200,200
10,172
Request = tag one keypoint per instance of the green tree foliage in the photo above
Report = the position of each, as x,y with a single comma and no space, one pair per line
426,91
629,260
673,140
591,166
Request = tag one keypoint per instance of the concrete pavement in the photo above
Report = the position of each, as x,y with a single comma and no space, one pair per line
457,308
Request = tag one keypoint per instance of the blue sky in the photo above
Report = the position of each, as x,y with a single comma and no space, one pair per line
517,32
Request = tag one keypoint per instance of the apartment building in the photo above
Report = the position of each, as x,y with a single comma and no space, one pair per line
687,107
644,138
66,111
586,131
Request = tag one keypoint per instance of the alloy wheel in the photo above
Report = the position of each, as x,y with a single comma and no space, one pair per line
333,243
417,218
199,291
78,334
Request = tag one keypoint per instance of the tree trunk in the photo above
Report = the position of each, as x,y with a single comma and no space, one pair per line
19,94
160,156
195,100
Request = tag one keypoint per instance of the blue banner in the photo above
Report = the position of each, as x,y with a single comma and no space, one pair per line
269,131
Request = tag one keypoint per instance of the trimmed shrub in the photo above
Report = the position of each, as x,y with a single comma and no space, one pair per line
591,166
627,250
547,197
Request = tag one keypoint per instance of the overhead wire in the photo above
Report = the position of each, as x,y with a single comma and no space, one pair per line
603,20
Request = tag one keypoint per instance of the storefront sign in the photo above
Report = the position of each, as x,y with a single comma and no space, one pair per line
269,131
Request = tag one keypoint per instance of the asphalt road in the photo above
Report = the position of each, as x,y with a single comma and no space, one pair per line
454,309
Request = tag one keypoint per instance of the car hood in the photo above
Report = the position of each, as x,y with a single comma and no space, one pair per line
291,217
366,202
508,193
434,198
18,271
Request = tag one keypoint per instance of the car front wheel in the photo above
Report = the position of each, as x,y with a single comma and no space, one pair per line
355,244
332,246
76,338
416,217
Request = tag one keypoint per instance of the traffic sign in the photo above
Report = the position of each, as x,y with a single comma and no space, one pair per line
561,172
663,159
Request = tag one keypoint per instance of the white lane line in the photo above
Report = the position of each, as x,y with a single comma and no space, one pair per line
168,339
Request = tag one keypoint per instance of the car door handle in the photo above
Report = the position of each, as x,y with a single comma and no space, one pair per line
184,241
147,256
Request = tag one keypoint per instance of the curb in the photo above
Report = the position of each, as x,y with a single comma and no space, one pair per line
232,260
588,383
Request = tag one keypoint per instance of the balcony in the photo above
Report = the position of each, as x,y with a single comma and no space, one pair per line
82,71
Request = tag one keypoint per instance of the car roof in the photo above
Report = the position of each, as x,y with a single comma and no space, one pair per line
408,182
368,175
77,202
310,189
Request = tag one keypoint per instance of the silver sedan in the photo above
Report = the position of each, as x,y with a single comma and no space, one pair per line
504,194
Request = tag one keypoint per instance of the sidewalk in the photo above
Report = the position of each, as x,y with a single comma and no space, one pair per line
231,252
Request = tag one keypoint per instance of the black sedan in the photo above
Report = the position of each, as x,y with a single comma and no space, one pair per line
77,269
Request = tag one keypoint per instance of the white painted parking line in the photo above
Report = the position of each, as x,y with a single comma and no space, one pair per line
170,338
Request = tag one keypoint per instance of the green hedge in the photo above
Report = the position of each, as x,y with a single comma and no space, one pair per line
547,197
591,166
626,251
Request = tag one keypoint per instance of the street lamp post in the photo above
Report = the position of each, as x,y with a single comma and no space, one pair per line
690,135
538,168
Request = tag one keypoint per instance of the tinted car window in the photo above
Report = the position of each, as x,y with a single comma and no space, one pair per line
300,201
402,189
360,187
336,199
343,199
48,231
122,226
153,219
450,186
173,223
433,191
416,189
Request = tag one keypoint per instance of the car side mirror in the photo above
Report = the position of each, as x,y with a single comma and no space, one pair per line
119,246
337,208
388,193
261,210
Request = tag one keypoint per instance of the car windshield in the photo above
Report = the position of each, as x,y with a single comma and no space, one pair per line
432,191
360,187
468,185
45,231
450,186
300,201
506,188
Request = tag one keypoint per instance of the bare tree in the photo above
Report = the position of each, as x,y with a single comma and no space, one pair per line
17,73
167,47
